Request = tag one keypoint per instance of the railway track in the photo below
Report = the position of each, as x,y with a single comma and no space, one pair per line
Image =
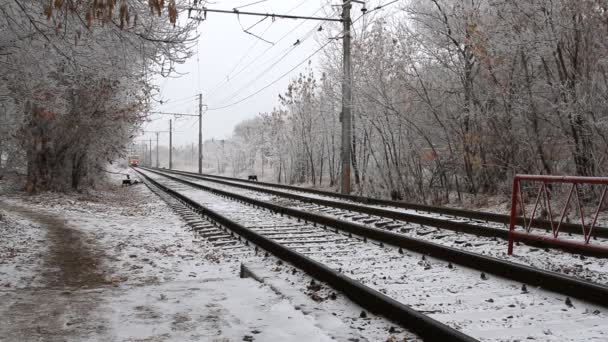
383,276
589,269
390,215
481,217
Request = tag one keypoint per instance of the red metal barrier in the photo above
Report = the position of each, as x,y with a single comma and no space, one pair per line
545,192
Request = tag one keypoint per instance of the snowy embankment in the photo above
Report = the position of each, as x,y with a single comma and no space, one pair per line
118,264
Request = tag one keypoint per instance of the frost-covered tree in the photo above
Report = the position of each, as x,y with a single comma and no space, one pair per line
453,97
78,79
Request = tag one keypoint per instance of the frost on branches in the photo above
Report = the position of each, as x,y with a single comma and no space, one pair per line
76,82
451,97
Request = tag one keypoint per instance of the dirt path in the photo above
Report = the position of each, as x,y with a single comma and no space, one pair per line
54,311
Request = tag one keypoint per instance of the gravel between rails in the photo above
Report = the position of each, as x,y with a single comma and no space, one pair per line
586,268
488,308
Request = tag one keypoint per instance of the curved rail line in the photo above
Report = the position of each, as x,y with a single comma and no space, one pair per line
462,227
592,292
375,301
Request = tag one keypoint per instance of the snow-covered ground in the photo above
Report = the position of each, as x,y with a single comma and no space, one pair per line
588,268
486,307
118,264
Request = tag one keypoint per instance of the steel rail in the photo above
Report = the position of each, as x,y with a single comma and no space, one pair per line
463,227
372,300
601,232
585,290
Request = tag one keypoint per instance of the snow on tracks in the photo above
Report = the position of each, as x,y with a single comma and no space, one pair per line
477,304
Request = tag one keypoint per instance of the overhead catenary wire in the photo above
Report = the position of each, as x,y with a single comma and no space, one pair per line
171,105
383,5
246,30
299,64
185,106
259,14
173,101
250,4
230,76
273,82
245,55
291,48
260,74
198,64
263,72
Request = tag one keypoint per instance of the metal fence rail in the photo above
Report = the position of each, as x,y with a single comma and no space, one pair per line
544,198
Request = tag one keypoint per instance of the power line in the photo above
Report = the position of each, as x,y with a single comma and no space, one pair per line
230,77
299,64
245,55
273,82
253,3
384,5
246,30
269,15
198,63
174,114
171,105
263,72
191,97
302,62
257,77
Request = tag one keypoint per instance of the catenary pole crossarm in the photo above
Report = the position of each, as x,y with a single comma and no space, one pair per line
345,117
175,114
205,10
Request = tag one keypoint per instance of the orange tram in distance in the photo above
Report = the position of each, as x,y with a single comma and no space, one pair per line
133,160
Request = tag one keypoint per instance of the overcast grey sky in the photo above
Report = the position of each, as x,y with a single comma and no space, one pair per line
232,64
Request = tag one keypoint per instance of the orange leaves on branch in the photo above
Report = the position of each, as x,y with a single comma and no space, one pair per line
89,19
110,6
124,15
156,6
48,10
172,12
103,10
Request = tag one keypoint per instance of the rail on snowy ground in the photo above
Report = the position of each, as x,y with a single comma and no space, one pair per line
601,232
426,327
591,292
462,227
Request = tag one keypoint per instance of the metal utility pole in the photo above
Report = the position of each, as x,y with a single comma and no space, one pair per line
346,115
150,153
170,144
200,133
157,133
346,99
142,150
143,153
171,131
